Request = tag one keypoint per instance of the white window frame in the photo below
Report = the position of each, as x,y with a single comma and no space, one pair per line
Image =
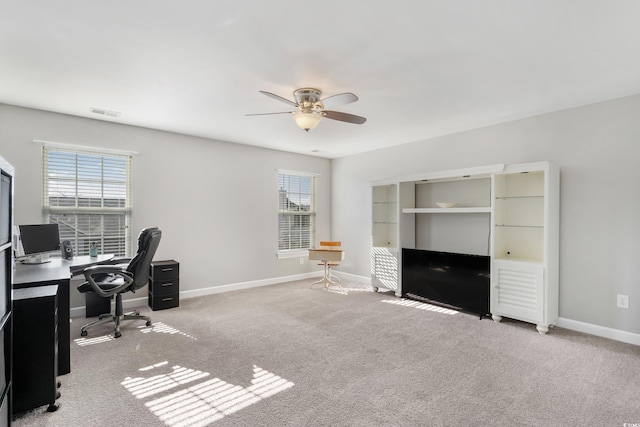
283,210
98,195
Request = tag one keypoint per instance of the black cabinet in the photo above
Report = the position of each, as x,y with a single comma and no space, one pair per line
164,284
35,345
6,344
64,333
6,278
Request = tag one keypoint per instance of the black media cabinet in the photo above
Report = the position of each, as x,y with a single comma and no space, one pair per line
459,281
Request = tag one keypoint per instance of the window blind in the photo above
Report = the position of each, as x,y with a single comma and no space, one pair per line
88,194
296,218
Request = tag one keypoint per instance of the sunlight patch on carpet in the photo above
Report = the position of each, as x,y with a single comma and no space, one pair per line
163,328
92,341
345,290
142,387
420,305
363,288
202,403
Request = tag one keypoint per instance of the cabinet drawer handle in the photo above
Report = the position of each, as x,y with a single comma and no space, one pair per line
167,284
167,299
167,269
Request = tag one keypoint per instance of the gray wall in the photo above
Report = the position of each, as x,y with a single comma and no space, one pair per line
215,202
597,148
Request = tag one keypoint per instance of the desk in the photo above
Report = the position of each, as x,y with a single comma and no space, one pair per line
326,256
57,272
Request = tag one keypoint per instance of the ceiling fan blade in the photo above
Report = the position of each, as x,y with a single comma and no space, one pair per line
279,98
339,99
268,114
344,117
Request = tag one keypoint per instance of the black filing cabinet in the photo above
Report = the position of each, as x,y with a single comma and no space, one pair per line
164,285
35,348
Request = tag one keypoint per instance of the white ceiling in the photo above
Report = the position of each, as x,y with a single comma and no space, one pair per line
421,68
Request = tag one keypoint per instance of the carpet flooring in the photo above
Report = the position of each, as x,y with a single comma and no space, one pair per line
291,355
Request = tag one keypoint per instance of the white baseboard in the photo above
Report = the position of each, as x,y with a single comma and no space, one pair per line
600,331
264,282
245,285
361,279
131,303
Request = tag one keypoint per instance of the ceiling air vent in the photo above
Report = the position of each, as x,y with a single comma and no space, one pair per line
104,112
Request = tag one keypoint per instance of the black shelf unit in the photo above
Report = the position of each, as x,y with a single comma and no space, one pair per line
164,285
6,280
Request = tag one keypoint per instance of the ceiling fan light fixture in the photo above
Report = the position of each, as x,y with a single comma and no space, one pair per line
307,121
311,107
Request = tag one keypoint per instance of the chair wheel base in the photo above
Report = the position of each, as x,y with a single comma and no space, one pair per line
117,319
53,407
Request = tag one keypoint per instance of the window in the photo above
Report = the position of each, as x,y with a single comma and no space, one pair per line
88,194
296,213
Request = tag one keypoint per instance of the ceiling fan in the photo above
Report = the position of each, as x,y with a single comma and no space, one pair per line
311,108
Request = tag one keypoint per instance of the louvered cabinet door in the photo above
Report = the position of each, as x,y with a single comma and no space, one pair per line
517,291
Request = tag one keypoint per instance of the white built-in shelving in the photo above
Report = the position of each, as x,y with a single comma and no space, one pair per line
525,222
384,236
509,212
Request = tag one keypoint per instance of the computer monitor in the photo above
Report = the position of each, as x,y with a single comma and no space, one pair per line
38,240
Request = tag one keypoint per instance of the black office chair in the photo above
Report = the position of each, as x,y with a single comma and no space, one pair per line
114,280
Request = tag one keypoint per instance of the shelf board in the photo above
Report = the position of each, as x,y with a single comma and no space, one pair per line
519,226
532,261
532,196
447,210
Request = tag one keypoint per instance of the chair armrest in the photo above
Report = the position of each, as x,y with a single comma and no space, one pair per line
79,269
91,273
115,260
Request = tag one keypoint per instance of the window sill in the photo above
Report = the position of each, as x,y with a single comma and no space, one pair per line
292,254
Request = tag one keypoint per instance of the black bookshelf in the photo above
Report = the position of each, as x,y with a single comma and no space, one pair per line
6,279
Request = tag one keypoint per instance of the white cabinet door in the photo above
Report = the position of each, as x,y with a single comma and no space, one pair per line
517,291
384,268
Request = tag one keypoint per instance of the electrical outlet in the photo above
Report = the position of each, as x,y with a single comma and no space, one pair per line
301,261
623,301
